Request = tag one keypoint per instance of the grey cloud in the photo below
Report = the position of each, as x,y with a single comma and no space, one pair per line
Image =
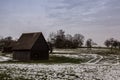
86,12
90,17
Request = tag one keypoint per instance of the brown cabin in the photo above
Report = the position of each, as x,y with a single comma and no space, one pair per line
31,46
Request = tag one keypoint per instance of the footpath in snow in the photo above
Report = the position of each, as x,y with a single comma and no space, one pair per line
96,58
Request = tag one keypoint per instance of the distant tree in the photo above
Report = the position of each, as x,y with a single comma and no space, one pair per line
68,41
68,37
115,43
89,43
68,44
61,33
112,43
1,42
52,38
60,39
107,43
5,43
9,38
119,44
78,40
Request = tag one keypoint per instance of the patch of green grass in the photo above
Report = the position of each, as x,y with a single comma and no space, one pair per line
52,60
63,59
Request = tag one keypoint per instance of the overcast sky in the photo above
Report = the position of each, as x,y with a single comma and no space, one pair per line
96,19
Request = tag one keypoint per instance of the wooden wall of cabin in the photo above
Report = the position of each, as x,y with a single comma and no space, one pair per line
40,55
21,55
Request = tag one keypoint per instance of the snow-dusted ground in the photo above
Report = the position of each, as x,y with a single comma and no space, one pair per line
62,71
56,51
91,58
97,68
94,58
3,58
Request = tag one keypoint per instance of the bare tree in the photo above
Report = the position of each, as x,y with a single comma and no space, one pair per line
61,33
9,38
68,41
119,44
89,43
52,38
6,42
68,37
60,39
112,43
115,43
78,40
107,43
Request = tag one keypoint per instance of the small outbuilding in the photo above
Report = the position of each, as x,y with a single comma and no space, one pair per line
31,46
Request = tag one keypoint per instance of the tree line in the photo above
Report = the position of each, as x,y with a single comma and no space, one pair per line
6,43
59,39
62,40
112,43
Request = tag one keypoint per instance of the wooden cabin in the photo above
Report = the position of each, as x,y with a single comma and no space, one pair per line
31,46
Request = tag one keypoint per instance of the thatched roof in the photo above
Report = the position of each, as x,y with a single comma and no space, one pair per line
27,40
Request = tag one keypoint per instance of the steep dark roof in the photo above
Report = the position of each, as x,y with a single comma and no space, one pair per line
26,41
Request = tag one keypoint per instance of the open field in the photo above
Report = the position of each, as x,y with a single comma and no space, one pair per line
65,64
99,56
59,72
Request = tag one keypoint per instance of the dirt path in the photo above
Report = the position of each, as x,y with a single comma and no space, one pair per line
95,60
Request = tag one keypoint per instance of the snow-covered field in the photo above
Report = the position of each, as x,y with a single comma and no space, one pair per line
61,71
98,67
93,58
3,58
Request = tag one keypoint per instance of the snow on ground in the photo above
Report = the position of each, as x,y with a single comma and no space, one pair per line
94,58
97,68
62,71
3,58
56,51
